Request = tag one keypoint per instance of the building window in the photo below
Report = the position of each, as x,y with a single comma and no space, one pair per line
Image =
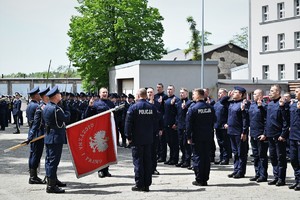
297,39
281,41
280,9
265,71
265,13
297,7
297,70
265,43
281,73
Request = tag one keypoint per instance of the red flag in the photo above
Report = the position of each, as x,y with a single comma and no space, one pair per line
92,143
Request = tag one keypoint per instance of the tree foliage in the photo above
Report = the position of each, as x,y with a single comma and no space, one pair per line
241,39
62,71
113,32
196,40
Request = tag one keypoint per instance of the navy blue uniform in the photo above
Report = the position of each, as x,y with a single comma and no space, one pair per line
3,114
257,117
277,125
238,124
141,122
295,140
162,144
182,136
170,119
199,127
55,119
221,112
36,148
16,113
100,106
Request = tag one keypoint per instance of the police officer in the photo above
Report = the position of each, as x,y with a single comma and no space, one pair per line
238,129
140,125
182,108
36,148
160,97
277,131
295,139
55,119
257,116
221,112
99,106
170,125
158,129
199,127
16,111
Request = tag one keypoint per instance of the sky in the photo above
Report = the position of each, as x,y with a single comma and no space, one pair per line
33,32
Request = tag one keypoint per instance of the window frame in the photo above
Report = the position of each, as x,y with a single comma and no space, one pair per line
297,39
280,10
281,41
281,72
265,13
265,43
266,72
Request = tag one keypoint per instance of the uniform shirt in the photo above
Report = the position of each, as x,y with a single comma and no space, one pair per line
55,119
38,126
294,122
200,121
140,123
170,114
181,113
221,112
99,106
276,121
30,110
16,106
237,119
257,117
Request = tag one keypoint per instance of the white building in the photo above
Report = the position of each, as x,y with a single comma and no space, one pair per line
274,38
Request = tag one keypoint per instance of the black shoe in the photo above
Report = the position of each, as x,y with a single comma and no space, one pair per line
54,189
172,162
238,175
190,168
16,132
297,188
155,172
273,182
179,164
36,180
293,186
60,184
101,174
217,162
280,183
212,159
135,188
107,174
161,160
231,175
260,179
224,162
185,165
146,189
196,183
253,179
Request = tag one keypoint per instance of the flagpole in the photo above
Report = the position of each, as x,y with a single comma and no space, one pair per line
95,116
22,144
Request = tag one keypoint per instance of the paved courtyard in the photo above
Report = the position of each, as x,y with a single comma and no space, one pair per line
172,183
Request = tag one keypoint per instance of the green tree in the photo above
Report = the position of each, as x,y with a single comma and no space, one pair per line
241,39
196,40
113,32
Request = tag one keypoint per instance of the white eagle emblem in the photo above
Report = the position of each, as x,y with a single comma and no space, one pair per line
99,142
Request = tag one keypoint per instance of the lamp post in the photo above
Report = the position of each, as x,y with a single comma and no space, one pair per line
202,49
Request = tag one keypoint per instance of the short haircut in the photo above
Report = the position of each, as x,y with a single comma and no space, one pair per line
259,90
184,89
199,91
172,86
142,92
160,84
223,89
150,88
277,87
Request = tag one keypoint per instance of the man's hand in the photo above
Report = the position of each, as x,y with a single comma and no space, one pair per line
173,101
243,137
259,102
160,99
91,102
189,141
281,139
183,104
298,105
281,101
226,126
26,142
160,132
262,137
174,127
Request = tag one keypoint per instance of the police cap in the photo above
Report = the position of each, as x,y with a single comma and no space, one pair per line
241,89
34,91
123,95
53,91
44,91
130,96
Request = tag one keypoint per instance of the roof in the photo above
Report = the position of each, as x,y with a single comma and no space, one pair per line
178,54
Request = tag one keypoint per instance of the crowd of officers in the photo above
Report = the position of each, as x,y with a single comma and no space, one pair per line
153,121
